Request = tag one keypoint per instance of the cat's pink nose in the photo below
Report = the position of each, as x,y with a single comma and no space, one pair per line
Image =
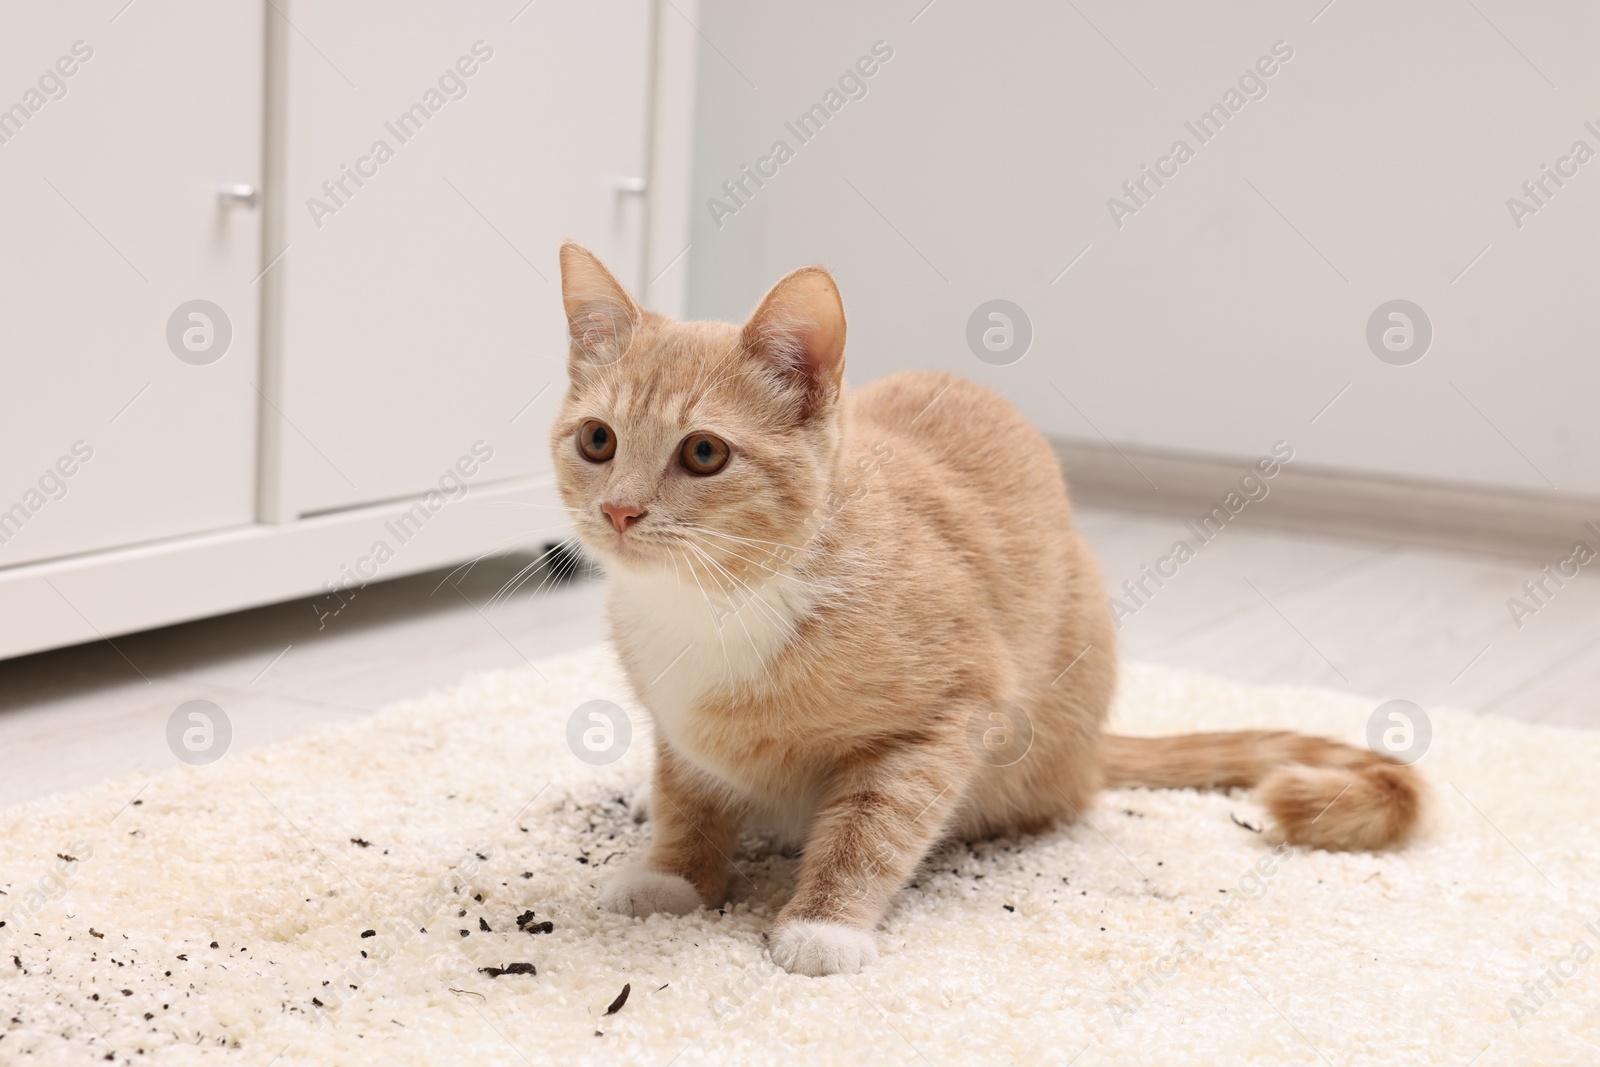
622,516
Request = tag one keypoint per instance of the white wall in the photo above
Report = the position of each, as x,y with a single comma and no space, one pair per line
1231,308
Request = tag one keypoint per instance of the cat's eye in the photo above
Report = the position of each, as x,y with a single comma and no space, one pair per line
703,453
597,441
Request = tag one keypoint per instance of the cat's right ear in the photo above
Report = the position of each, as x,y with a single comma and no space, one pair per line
601,316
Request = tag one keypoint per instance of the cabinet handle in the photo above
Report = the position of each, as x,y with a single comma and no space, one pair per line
240,195
629,184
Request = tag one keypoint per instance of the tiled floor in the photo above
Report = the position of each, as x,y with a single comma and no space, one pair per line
1255,604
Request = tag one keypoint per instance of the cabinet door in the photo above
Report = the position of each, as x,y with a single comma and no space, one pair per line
436,156
117,128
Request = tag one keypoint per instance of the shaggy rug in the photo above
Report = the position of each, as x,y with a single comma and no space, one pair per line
419,887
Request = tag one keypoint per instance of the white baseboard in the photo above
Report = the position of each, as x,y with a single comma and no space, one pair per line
1533,525
103,594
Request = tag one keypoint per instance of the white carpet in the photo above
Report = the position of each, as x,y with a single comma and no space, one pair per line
198,922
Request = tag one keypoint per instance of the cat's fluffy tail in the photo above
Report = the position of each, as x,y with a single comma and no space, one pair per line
1321,793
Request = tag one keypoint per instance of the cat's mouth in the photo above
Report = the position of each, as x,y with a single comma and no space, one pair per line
658,546
637,551
633,548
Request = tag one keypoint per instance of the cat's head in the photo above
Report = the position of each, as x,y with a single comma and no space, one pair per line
679,441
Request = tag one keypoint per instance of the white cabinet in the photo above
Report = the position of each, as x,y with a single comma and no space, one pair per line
115,141
385,274
433,165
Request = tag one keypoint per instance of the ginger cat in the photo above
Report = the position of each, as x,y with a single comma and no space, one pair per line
866,616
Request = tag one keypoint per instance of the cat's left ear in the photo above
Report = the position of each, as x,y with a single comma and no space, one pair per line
798,330
601,316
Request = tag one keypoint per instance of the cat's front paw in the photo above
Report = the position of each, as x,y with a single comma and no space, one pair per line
816,948
641,891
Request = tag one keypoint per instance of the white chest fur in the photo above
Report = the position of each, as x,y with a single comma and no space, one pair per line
686,642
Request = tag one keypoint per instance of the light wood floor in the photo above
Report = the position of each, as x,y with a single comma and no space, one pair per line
1384,620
